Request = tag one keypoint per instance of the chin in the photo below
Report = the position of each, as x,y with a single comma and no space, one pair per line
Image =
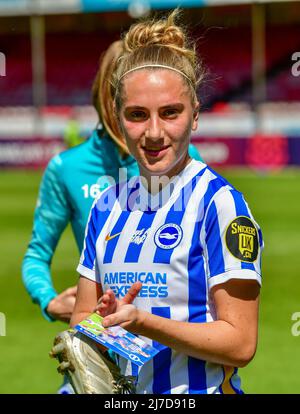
160,170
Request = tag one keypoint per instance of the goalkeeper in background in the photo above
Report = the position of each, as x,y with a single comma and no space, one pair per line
72,136
65,196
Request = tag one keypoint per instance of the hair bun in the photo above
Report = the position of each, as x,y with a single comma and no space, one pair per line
161,32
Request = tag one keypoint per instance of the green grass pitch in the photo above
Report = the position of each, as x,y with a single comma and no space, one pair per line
274,200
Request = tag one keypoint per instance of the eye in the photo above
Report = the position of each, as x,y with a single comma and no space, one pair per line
170,113
137,115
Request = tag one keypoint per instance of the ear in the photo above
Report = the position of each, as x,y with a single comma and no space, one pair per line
195,116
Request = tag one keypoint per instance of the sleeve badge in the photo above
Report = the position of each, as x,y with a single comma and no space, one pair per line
242,239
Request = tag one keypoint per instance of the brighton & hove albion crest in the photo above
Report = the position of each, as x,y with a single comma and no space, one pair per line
168,236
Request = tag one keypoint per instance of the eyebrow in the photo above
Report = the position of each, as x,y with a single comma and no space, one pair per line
178,104
134,107
172,105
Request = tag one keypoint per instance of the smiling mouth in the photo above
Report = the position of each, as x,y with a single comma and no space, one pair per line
155,151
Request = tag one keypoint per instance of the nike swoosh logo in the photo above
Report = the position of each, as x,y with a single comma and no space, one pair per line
108,237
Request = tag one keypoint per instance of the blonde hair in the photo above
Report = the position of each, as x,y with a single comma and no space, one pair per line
158,43
102,94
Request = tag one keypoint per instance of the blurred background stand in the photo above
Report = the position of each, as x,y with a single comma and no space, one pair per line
258,54
39,88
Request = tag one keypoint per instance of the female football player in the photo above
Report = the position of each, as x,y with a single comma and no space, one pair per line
71,181
192,281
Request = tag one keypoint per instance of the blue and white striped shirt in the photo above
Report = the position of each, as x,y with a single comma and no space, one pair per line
197,232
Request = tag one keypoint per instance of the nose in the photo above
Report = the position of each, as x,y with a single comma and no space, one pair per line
154,130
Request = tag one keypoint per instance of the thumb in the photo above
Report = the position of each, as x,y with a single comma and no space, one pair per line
71,291
132,293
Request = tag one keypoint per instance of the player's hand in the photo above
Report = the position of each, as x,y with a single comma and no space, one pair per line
109,304
62,306
127,316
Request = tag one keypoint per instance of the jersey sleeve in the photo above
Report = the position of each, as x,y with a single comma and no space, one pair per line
232,241
87,262
99,213
194,153
51,216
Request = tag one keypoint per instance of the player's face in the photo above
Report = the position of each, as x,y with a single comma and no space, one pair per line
157,116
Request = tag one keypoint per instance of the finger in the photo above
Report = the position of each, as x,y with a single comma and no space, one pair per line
102,311
115,319
118,318
108,296
132,293
102,306
105,302
71,291
106,306
104,299
71,302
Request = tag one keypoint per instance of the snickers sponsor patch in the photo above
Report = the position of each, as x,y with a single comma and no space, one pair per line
242,239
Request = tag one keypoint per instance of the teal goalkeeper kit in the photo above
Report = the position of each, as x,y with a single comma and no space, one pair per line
70,183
